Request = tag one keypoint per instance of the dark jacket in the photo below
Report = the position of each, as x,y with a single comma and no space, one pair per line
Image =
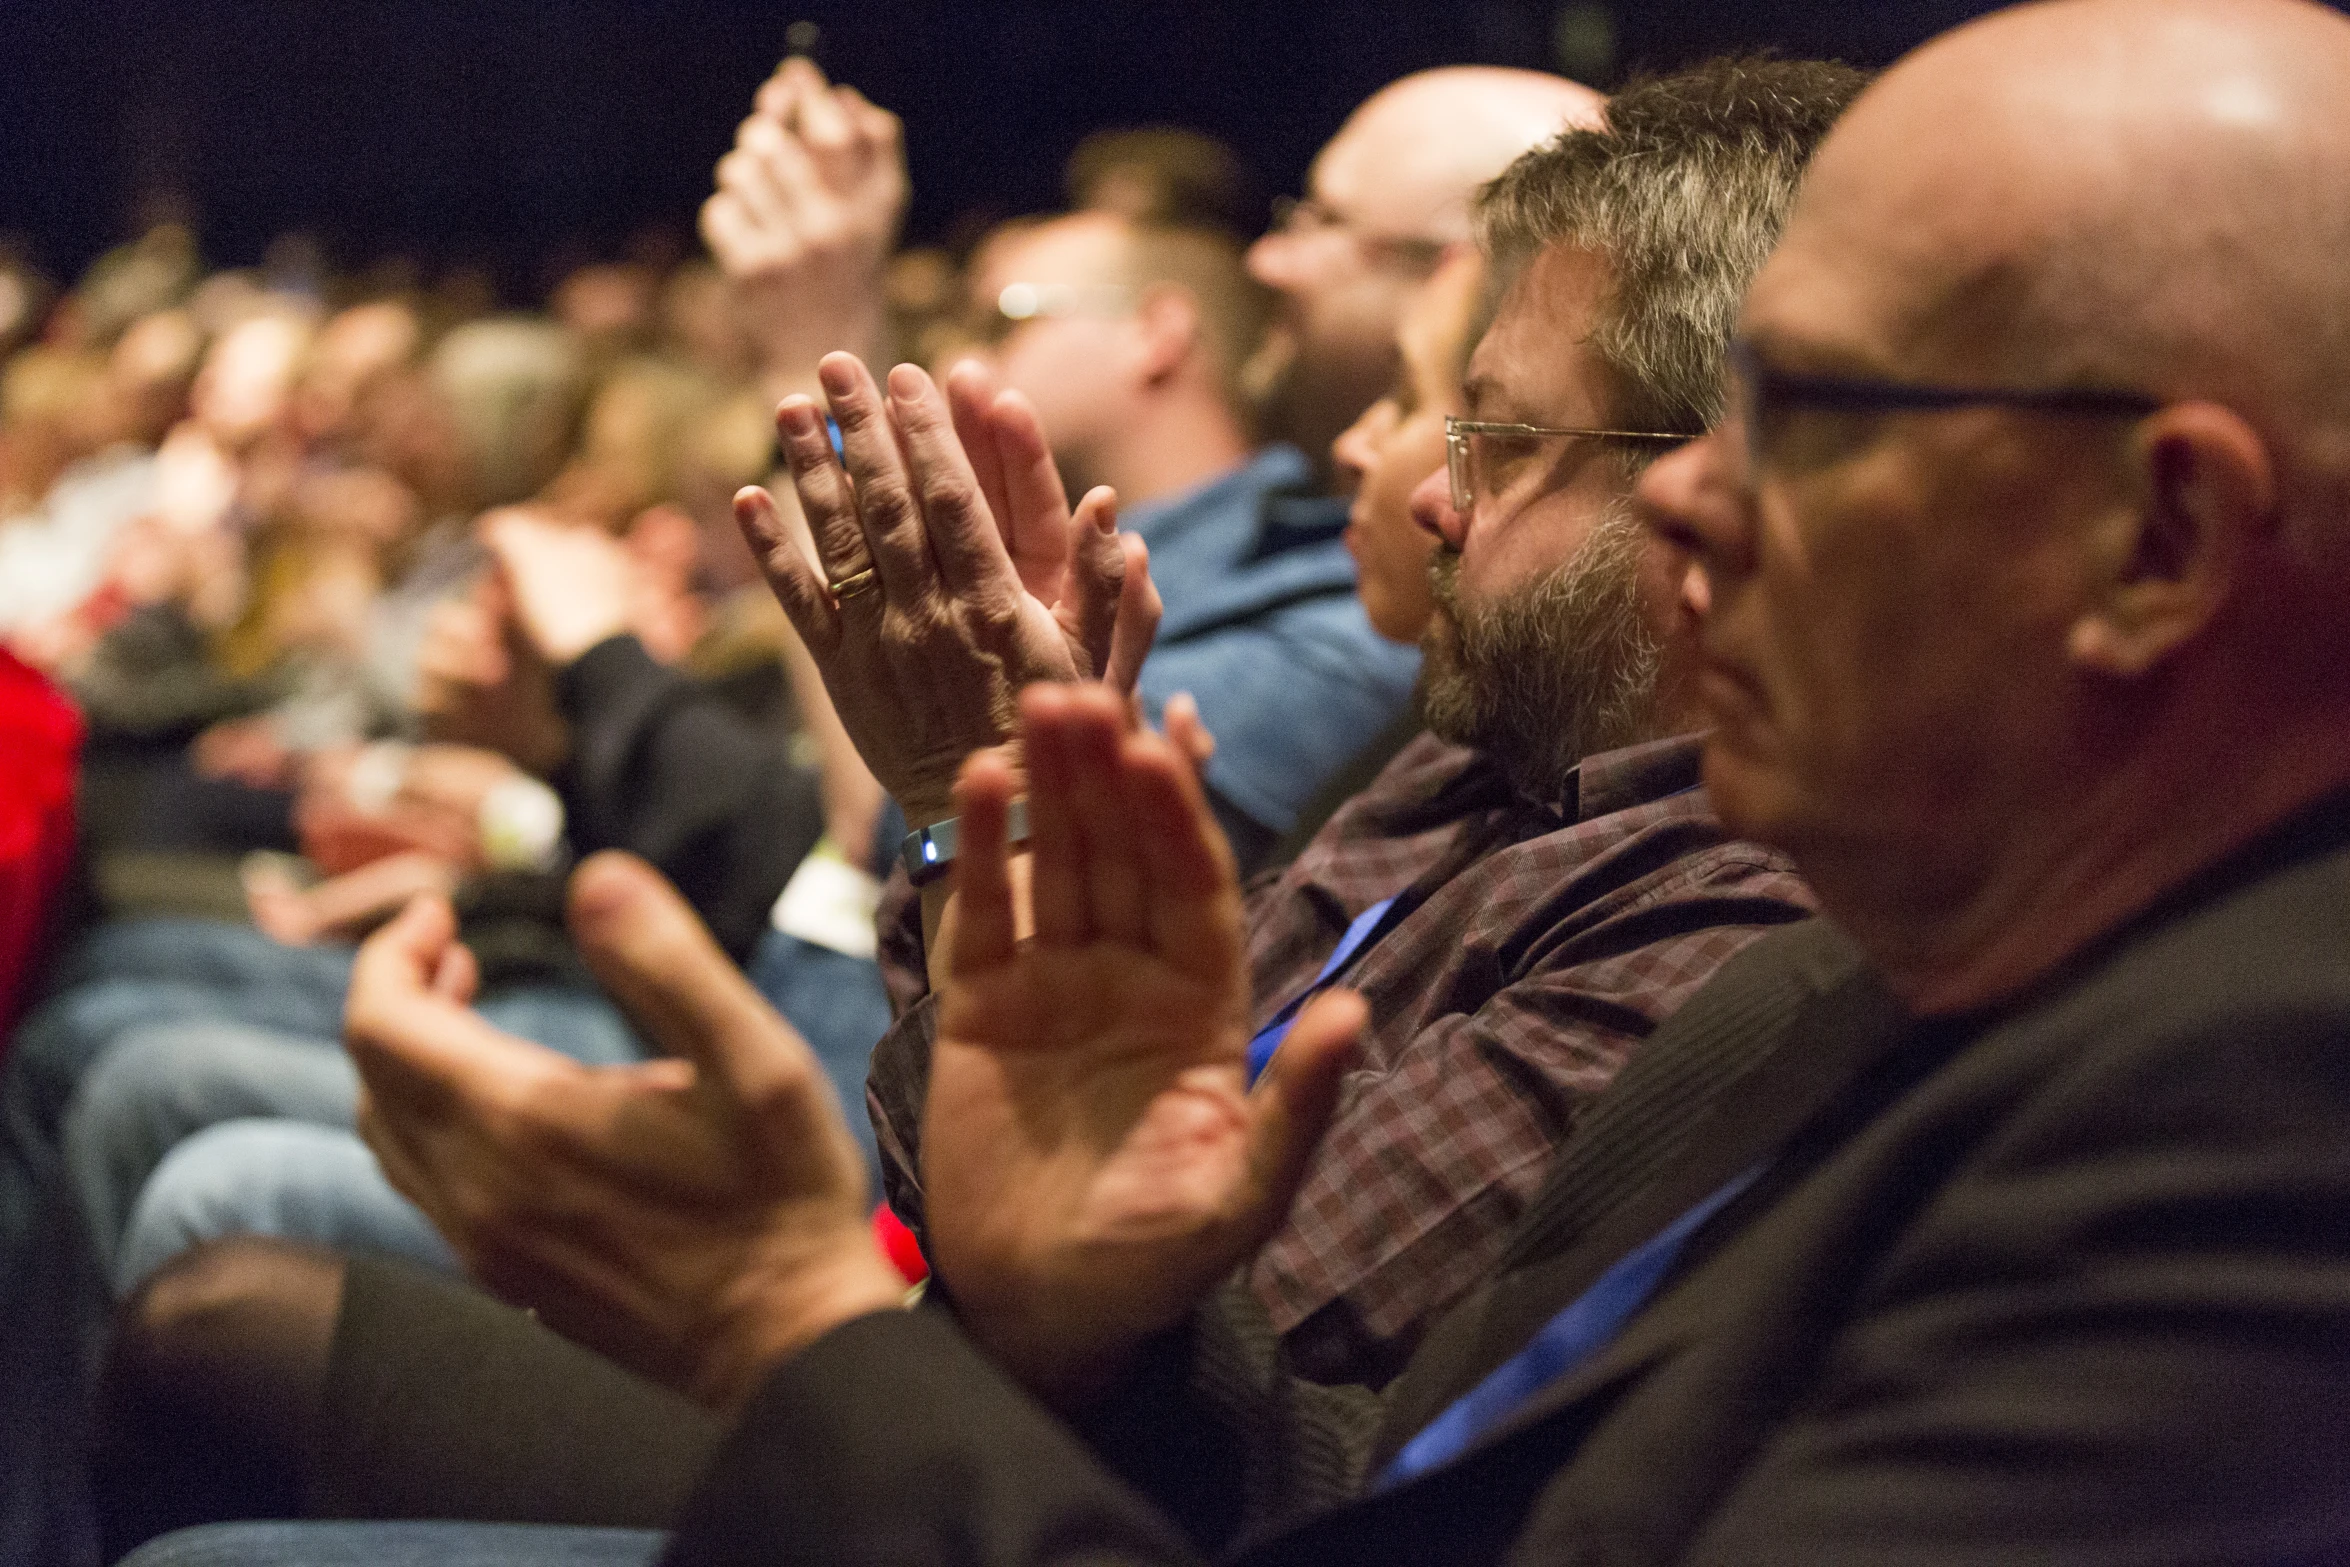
2065,1282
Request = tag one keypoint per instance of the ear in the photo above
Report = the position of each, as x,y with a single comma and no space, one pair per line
1168,321
2206,494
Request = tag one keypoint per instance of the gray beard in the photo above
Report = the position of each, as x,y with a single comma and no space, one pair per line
1560,669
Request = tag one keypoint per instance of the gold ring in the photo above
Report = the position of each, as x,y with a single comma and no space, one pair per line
854,583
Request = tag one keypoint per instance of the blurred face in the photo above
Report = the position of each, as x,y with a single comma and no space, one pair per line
1550,604
1399,441
1345,267
242,390
1063,342
1884,597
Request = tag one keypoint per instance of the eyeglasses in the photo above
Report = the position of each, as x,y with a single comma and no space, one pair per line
1017,303
1486,460
1762,398
1299,215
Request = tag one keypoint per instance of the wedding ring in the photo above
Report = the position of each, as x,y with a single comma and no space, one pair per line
854,583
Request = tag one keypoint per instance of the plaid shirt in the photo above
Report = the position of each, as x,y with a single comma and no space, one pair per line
1530,948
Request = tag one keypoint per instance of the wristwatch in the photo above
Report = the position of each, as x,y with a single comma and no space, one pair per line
927,852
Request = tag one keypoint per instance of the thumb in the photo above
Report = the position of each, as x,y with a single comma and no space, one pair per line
652,952
1293,1102
1138,613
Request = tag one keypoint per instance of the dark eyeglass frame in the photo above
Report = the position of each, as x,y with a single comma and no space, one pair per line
1757,387
1309,215
1459,432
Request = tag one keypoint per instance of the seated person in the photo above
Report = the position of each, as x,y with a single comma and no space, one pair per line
1998,1219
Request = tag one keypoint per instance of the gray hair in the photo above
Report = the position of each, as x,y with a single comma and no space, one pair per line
1683,195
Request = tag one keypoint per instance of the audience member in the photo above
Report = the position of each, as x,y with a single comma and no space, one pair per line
1384,201
1129,341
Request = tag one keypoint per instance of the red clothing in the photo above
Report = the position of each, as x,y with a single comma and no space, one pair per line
40,749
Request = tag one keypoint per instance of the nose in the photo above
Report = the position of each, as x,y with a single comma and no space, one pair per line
1432,509
1688,501
1272,260
1357,446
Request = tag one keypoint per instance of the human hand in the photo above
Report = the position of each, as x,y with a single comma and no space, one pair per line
481,682
571,585
246,750
970,576
806,212
696,1218
1093,1159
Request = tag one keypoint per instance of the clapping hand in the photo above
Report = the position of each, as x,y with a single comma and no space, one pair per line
1094,1160
934,568
697,1218
806,210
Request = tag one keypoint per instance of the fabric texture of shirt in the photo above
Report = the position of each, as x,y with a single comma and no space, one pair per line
1534,947
1264,629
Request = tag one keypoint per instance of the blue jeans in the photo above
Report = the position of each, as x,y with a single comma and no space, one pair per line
276,1156
841,1008
398,1545
185,1136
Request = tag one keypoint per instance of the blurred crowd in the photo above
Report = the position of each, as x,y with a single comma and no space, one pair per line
1627,843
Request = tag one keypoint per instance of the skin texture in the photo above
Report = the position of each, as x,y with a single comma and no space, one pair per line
1998,679
1402,168
1399,441
1128,394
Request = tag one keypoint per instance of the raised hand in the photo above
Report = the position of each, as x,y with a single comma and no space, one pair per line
912,570
696,1218
1093,1159
806,211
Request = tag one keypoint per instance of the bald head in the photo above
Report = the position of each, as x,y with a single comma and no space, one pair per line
1408,161
2021,662
2149,194
1388,194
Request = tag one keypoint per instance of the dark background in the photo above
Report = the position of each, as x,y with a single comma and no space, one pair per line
525,134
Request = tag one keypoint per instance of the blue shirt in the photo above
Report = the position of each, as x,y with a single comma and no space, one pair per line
1263,627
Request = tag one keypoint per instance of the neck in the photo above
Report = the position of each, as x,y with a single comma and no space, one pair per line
1181,443
2062,878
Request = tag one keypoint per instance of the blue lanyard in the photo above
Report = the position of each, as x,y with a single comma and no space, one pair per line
1268,1040
1565,1342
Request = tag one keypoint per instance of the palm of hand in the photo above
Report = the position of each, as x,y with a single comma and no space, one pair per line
1092,1103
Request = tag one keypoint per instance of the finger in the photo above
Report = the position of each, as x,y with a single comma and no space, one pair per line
1293,1102
985,931
1036,500
747,176
779,96
726,229
457,977
784,556
1057,892
411,1042
880,129
1139,608
1097,568
824,124
1116,894
1193,891
971,392
972,561
658,960
886,509
828,501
